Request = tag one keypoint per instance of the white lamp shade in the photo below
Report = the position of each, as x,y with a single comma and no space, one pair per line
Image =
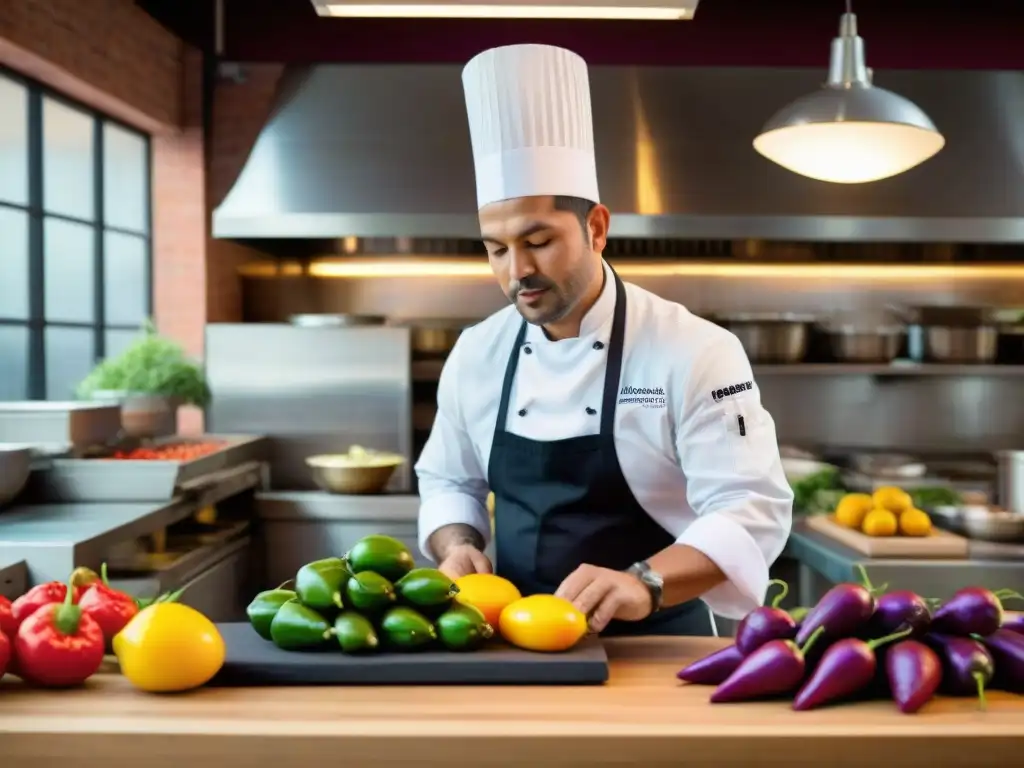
849,135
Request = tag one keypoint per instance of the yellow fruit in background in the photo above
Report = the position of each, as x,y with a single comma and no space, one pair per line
896,500
879,522
490,503
488,593
852,509
169,647
542,623
914,522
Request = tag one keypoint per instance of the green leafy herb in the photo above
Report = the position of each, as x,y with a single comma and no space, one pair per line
817,492
930,497
152,365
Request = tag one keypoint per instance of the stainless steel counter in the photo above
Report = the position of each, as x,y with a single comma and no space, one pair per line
825,562
13,577
296,527
53,539
306,506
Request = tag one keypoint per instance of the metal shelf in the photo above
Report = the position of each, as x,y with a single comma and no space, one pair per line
430,370
898,368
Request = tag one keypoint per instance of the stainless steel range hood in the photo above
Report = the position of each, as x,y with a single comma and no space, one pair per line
379,151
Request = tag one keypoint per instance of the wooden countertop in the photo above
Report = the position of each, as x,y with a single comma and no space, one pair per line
642,716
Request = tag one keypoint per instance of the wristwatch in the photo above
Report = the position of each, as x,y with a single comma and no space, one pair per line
651,579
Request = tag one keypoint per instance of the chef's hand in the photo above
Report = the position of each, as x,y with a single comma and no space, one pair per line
463,559
603,594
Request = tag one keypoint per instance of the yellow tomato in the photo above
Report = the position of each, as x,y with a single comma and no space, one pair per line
852,509
542,623
169,647
488,593
896,500
915,522
880,522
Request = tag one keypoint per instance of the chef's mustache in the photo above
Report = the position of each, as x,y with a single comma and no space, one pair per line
529,283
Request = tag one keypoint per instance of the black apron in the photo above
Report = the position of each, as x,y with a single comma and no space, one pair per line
561,503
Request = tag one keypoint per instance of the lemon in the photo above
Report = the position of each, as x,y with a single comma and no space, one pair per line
169,647
914,522
542,623
879,522
852,509
488,593
896,500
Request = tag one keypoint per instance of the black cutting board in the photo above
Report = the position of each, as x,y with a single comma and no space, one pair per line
251,660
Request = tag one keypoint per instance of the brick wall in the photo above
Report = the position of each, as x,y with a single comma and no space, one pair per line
114,57
240,110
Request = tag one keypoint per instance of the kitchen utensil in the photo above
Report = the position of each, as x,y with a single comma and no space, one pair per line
15,467
435,338
59,426
1010,480
358,471
769,337
857,344
251,660
335,321
992,524
941,544
893,465
959,344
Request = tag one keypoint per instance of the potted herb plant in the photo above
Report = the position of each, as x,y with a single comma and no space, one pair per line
150,379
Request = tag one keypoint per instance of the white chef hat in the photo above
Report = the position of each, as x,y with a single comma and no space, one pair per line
530,123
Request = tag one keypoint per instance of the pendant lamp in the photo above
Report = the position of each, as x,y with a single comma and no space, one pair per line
647,10
849,131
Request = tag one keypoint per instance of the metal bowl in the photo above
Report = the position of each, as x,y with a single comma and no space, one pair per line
990,524
955,345
15,467
358,471
769,337
853,344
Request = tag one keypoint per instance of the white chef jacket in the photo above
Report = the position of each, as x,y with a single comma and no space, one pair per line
686,383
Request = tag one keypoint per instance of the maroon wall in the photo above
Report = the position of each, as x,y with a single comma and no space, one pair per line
915,34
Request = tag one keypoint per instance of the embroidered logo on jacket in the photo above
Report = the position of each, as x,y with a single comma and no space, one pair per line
648,397
733,389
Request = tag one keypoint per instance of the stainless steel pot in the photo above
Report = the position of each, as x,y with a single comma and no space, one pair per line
960,344
435,338
769,338
854,344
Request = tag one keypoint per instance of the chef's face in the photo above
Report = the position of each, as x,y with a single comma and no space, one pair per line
545,261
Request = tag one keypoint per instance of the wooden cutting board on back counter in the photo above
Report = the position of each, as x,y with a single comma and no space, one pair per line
939,545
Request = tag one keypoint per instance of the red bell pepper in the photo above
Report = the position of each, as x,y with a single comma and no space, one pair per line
43,594
111,608
8,625
5,653
59,645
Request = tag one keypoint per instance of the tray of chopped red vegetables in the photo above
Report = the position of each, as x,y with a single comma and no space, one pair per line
185,451
152,470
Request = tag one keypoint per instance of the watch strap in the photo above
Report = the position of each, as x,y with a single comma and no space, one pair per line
650,579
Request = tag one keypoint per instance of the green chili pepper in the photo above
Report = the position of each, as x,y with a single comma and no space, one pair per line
298,627
264,608
320,584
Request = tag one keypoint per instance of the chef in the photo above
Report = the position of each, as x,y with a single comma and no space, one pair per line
634,469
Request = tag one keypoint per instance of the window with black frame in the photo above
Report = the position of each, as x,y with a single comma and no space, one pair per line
75,239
